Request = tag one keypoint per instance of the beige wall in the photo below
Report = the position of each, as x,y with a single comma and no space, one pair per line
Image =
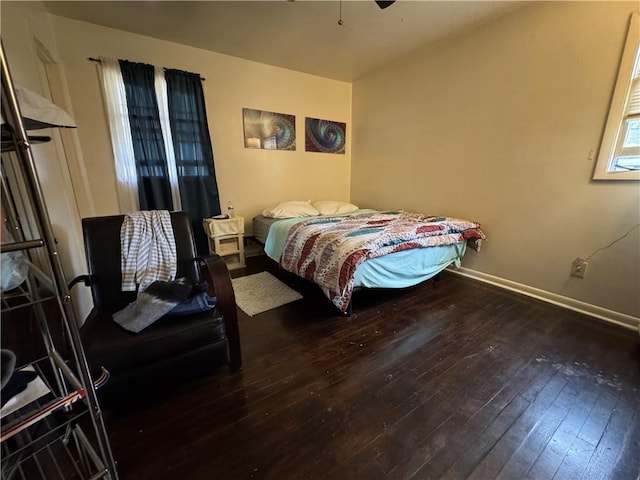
502,125
251,179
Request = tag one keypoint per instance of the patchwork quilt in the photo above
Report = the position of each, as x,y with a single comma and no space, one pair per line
327,250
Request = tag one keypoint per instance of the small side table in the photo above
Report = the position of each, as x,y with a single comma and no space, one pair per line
226,238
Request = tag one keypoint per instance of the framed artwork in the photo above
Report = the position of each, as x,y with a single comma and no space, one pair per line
269,130
324,136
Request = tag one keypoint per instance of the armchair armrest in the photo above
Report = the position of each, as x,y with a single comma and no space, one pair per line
214,270
86,279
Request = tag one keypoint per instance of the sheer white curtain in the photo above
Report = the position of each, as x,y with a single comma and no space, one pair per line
115,100
163,110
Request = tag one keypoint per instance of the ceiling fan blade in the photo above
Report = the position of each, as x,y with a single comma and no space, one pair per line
384,4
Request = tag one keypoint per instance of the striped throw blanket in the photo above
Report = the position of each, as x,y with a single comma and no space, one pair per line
148,249
327,250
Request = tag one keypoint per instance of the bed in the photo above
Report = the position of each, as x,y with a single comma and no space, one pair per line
365,248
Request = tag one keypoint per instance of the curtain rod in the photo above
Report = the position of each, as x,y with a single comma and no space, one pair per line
93,59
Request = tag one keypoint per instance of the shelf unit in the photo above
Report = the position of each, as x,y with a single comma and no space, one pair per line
226,238
53,429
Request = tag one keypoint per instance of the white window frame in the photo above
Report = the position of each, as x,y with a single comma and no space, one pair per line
614,130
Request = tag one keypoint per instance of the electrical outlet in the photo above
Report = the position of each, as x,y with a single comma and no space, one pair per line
579,268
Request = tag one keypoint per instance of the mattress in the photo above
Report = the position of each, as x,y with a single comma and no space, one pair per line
261,226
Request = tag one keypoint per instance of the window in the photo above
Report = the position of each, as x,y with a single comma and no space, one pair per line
619,157
161,142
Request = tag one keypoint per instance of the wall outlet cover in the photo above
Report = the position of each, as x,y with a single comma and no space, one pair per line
579,268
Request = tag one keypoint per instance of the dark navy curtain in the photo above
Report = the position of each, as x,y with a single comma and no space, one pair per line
192,149
154,189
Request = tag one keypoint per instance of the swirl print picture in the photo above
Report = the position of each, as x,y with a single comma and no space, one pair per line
324,136
269,130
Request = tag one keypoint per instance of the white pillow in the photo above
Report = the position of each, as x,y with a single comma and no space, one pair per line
291,209
331,207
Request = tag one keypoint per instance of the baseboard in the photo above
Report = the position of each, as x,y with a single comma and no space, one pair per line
611,316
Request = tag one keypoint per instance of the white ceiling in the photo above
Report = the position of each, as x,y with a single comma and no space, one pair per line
301,35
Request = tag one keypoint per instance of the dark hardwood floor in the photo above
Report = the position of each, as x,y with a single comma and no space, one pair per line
459,380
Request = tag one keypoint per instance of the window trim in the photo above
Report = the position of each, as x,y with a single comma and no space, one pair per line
617,108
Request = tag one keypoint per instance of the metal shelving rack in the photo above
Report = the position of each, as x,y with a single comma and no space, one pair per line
45,438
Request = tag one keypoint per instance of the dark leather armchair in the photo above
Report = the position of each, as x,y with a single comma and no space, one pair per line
173,348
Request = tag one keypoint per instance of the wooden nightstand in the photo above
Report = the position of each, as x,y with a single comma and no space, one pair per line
226,238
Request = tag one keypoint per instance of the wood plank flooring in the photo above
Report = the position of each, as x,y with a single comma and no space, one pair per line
458,380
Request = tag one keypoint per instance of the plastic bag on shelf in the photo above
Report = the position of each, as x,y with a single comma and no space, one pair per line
14,267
